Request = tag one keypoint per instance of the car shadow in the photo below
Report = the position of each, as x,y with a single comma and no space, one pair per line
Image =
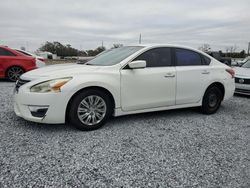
113,122
45,127
241,95
148,116
5,80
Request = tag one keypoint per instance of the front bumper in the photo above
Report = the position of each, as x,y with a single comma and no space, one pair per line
242,89
56,103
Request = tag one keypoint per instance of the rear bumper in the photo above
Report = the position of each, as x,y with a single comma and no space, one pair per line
229,88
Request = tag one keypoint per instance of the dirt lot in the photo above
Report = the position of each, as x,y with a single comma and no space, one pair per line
178,148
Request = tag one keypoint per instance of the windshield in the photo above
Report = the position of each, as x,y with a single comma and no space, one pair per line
246,65
114,56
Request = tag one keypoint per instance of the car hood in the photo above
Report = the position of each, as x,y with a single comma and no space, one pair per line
62,70
242,72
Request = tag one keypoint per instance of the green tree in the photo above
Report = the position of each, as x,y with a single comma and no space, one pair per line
117,45
59,49
242,54
96,51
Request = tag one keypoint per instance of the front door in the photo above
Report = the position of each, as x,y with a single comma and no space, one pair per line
150,87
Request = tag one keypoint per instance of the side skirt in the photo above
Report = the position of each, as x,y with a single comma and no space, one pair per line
119,112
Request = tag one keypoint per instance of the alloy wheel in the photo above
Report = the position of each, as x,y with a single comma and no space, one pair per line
14,73
92,110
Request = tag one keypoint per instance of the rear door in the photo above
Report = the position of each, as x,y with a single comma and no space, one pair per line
193,75
150,87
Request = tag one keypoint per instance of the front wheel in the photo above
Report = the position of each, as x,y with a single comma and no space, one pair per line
211,100
90,109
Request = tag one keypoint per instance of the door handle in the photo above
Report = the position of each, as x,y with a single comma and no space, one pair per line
169,76
205,72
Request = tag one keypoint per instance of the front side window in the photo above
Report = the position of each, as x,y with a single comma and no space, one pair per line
186,57
4,52
158,57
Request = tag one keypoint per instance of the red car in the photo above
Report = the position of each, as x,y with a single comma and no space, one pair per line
13,63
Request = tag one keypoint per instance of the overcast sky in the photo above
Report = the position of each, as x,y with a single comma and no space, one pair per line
85,24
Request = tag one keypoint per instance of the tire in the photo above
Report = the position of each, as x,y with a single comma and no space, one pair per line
85,116
212,100
13,73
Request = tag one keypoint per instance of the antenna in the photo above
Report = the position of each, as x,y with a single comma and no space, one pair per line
140,39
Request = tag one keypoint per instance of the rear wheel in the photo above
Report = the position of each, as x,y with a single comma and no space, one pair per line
14,73
90,109
211,100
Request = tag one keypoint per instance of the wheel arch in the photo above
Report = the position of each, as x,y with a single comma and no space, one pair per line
8,68
86,88
219,85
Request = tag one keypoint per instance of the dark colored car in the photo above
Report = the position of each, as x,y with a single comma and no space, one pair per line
220,57
13,63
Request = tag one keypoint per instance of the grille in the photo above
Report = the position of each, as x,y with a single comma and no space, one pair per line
245,81
242,91
21,82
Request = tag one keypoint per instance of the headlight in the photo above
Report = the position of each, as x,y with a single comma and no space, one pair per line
50,85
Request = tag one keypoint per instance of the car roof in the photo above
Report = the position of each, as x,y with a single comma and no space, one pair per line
164,45
12,50
148,46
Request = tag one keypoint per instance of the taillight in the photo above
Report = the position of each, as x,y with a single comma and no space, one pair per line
41,59
231,72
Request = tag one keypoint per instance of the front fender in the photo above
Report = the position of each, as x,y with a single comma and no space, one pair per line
110,83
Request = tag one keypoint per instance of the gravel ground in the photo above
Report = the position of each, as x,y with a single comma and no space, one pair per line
179,148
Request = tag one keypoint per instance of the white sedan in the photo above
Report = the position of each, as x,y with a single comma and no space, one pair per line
242,78
126,80
39,60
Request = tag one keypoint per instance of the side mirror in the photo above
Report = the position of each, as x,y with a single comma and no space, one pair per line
139,64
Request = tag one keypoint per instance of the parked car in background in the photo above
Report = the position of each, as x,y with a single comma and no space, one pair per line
125,80
13,63
219,57
242,78
40,61
240,63
48,55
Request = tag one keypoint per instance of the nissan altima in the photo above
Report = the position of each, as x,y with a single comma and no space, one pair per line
125,80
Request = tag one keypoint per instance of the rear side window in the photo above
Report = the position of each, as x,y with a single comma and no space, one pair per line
4,52
158,57
206,60
186,57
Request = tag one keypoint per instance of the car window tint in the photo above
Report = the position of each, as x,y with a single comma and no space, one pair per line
187,57
4,52
158,57
206,60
